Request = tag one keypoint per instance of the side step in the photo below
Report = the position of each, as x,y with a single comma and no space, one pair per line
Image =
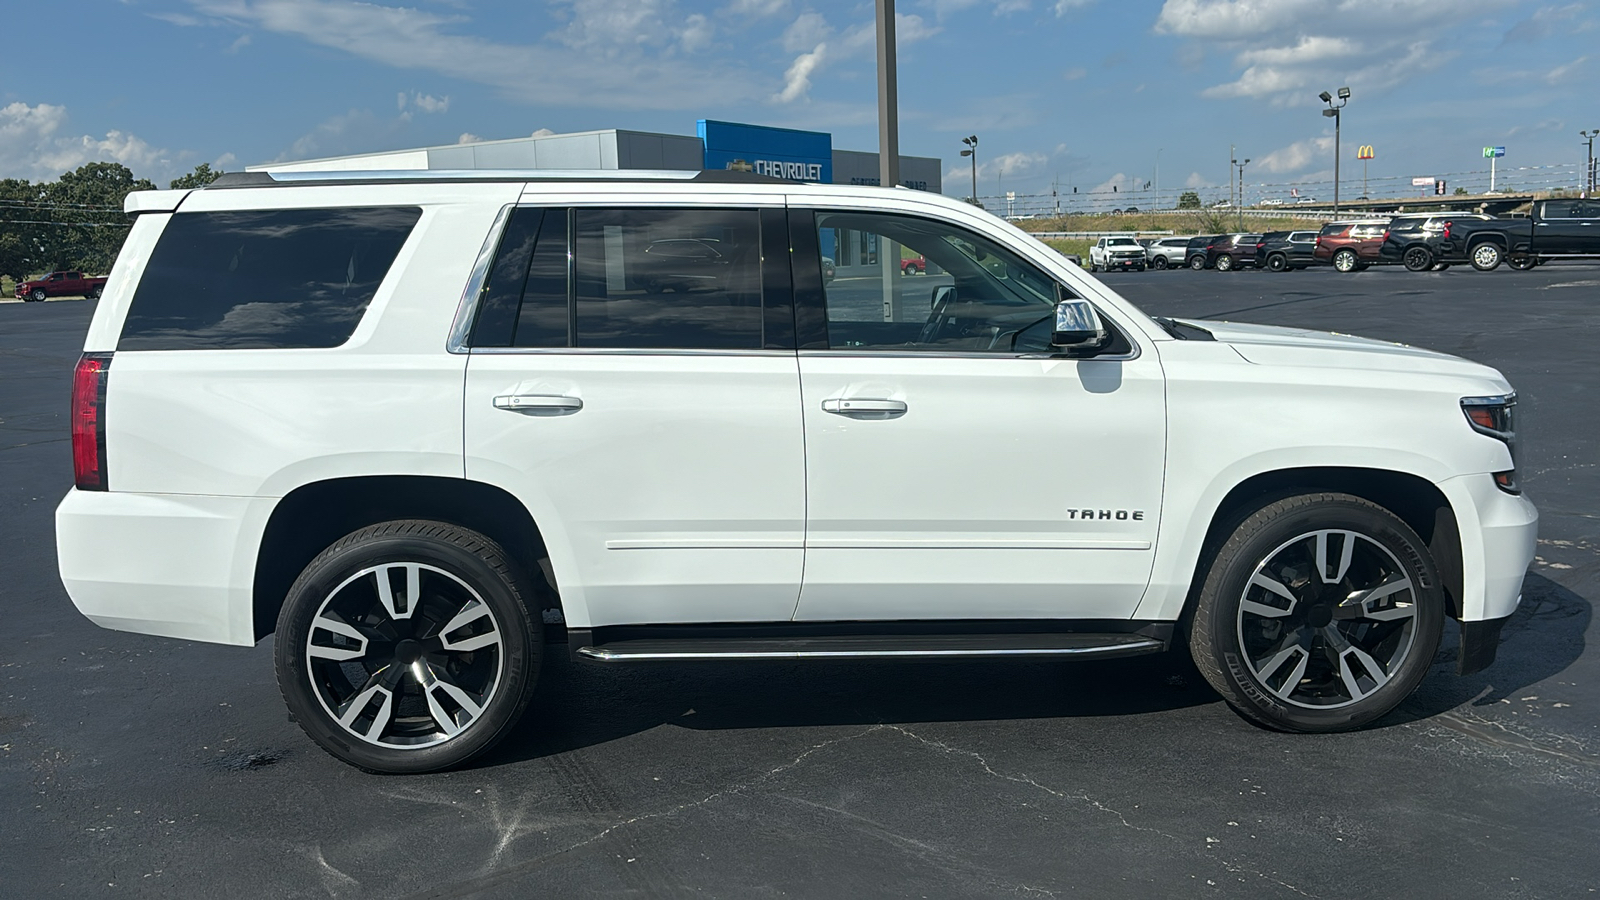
935,641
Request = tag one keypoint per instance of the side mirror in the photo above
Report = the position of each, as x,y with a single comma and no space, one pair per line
1078,328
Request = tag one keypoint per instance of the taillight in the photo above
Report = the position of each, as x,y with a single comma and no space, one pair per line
1446,233
1386,234
89,421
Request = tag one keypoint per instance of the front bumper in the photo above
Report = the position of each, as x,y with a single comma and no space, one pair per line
1131,262
1499,534
176,565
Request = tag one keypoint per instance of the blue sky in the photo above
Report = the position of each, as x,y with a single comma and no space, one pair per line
1085,92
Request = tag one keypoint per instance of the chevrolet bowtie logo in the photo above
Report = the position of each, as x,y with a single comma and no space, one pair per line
740,165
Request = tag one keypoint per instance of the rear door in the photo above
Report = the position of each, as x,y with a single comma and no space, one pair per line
955,467
632,380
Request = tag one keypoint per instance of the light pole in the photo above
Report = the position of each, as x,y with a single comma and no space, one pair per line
1333,112
972,151
1158,178
888,99
1240,206
1588,169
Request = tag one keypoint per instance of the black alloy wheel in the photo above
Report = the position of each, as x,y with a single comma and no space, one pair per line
1522,263
1320,613
408,647
1418,259
1277,262
1160,262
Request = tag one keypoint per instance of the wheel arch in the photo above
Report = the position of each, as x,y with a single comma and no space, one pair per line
314,515
1414,499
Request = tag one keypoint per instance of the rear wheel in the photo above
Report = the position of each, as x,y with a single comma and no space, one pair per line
1440,267
94,292
1522,263
1197,263
1224,263
1487,256
1160,262
408,646
1321,612
1418,259
1346,261
1277,262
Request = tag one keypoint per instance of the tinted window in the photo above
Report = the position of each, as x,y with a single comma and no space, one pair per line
545,319
668,278
265,279
1330,230
1560,209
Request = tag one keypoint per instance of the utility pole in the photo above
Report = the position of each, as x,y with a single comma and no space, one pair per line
972,151
1231,163
1158,177
888,152
1588,169
1240,206
1333,112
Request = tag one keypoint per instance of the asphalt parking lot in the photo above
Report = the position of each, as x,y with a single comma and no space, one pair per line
134,766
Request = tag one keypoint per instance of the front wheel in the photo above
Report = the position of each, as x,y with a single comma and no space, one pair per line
1320,613
407,647
1486,257
1160,262
1346,261
912,270
1418,259
38,295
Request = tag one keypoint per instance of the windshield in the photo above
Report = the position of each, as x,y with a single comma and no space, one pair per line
1122,242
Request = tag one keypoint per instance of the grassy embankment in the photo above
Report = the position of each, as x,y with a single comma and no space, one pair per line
1198,221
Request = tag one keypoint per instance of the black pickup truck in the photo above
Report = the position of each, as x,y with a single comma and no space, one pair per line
1555,229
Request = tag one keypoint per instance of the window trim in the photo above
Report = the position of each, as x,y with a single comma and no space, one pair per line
467,307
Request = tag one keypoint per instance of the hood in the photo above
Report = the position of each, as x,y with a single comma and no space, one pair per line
1274,345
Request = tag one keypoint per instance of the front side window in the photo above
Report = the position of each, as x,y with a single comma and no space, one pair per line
285,278
976,295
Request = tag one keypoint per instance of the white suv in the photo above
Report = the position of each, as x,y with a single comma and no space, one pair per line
420,426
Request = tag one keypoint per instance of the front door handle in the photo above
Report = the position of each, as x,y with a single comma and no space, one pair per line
860,408
539,404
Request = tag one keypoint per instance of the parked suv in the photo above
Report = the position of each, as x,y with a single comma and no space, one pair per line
1166,253
1232,251
427,428
1194,255
1280,251
1413,240
1351,246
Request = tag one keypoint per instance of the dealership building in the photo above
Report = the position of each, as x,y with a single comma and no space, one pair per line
781,152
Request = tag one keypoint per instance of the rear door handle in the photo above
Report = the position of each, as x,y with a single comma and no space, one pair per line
539,404
865,409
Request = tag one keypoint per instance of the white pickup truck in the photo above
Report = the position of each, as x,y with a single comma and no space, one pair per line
1122,253
423,425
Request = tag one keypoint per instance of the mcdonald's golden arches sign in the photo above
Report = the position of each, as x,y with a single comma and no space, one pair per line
1366,152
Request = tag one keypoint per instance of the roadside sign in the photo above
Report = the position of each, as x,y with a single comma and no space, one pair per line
1493,152
1365,151
1422,181
1438,186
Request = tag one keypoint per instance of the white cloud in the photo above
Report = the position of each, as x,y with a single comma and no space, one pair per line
468,137
807,30
1007,165
1549,21
1287,50
33,145
758,8
1063,7
239,43
431,104
797,81
542,132
1565,73
1196,180
696,34
1074,73
1297,155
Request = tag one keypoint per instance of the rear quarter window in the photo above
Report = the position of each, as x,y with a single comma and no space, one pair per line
266,279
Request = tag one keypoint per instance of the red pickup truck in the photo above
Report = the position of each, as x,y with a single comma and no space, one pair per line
61,284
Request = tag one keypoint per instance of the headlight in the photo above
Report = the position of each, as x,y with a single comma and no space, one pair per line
1495,417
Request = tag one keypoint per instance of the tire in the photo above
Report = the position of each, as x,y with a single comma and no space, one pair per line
1440,267
1160,262
1349,665
1197,263
1277,262
423,705
1522,263
38,295
1346,261
1094,267
1224,263
1417,259
1486,256
912,270
96,291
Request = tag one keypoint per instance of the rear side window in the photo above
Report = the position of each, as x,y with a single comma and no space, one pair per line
268,279
1332,230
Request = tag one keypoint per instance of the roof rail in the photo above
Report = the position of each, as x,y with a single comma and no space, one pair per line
425,176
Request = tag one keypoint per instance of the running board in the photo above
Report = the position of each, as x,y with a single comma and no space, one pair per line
774,644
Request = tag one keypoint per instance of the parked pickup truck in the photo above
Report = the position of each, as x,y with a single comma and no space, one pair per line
1556,229
61,284
1116,253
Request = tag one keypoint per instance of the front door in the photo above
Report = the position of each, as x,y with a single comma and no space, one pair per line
642,400
956,468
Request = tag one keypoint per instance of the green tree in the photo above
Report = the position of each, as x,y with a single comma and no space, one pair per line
202,175
1189,200
1461,192
21,237
86,207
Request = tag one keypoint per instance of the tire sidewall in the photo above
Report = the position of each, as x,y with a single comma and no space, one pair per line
1232,569
1499,256
521,647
